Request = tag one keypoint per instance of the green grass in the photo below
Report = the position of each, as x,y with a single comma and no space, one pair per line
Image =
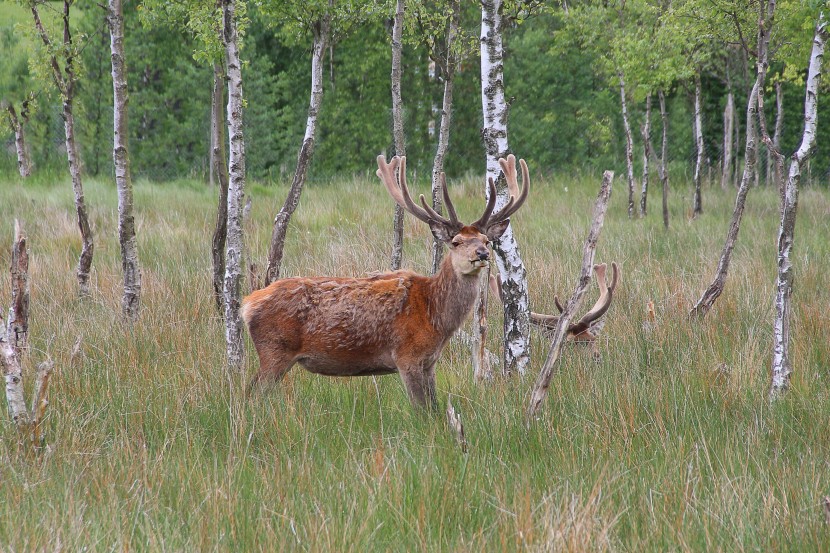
666,444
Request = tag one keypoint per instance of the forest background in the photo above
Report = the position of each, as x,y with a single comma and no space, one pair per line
565,112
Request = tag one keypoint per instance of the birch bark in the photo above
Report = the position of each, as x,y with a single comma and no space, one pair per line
234,250
728,134
509,261
664,156
646,133
321,30
18,327
397,127
24,160
131,298
781,363
629,146
775,170
698,128
220,170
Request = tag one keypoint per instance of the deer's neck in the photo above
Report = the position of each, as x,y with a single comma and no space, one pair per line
453,296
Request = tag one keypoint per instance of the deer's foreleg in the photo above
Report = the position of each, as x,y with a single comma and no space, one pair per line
419,382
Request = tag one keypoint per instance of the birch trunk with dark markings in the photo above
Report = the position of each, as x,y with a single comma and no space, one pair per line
728,135
664,155
698,129
320,31
509,260
645,130
448,70
131,298
397,127
220,170
18,327
24,160
65,82
234,253
629,146
704,304
540,389
781,364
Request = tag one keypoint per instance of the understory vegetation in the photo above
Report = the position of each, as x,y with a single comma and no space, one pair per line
667,442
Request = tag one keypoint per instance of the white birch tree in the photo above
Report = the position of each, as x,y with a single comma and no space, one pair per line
235,245
65,78
781,363
508,258
320,26
131,298
397,125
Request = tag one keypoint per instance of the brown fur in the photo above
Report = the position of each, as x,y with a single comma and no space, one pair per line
392,322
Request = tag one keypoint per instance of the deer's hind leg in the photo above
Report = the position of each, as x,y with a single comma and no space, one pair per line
272,368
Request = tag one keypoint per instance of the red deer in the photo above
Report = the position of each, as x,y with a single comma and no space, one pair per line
583,330
392,322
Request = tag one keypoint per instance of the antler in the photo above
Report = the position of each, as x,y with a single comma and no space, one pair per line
400,193
517,197
578,330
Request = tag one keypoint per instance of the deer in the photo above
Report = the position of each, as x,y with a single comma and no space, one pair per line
394,322
586,329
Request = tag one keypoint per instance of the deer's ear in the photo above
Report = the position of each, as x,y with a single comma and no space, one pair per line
495,230
440,231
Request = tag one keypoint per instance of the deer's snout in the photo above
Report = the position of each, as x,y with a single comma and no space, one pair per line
483,253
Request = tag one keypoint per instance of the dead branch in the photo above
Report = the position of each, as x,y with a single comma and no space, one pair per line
540,390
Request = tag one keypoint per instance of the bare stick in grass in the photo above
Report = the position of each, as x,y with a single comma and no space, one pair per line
457,427
540,390
482,370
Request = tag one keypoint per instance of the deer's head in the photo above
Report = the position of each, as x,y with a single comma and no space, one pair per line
468,244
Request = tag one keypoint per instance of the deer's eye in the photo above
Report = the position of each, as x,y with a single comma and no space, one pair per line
456,242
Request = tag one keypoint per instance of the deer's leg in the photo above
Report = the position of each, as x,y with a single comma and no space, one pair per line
272,368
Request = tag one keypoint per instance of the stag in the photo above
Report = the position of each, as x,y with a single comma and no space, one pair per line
586,328
387,323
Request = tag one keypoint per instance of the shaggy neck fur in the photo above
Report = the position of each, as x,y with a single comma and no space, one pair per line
453,296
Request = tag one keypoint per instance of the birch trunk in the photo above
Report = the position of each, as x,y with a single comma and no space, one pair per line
664,156
646,133
728,134
482,370
629,147
397,127
444,130
18,327
24,160
704,304
775,170
781,364
510,264
540,389
321,30
87,244
698,128
131,299
13,376
65,82
220,170
236,190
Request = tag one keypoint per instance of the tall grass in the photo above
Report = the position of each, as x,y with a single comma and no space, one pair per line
666,443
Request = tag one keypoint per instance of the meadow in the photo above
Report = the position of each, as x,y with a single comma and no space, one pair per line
666,443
